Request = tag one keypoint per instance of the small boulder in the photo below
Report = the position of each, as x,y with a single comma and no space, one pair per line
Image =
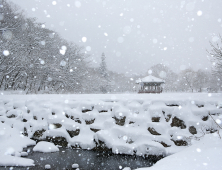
57,125
192,130
127,168
86,110
180,142
101,146
25,133
47,166
73,133
153,131
38,134
205,118
11,116
164,144
59,140
168,117
77,120
121,121
101,111
24,154
24,120
155,119
75,166
178,123
94,130
89,122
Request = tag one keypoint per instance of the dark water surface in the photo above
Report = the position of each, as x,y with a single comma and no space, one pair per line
85,158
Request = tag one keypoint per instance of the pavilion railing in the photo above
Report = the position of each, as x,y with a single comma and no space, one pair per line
150,91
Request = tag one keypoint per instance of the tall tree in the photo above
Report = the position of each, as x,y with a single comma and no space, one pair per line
104,81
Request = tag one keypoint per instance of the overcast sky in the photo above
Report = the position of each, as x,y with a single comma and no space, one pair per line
135,34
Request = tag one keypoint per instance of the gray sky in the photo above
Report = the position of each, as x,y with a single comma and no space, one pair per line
135,34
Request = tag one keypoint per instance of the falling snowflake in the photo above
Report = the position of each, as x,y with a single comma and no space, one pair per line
84,39
78,4
42,62
62,52
42,42
199,13
218,121
125,138
54,2
198,150
63,63
49,79
155,41
88,48
6,53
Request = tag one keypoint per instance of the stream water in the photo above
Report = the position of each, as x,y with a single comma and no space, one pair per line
85,158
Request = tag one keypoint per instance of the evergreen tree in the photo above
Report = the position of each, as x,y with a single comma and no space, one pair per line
104,81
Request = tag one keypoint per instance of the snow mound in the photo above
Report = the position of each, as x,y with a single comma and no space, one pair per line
45,147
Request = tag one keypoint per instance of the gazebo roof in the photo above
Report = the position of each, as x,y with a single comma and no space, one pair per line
150,79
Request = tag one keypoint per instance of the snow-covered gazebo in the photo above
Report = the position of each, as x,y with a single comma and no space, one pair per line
150,84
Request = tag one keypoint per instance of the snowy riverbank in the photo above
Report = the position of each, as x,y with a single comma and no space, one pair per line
135,124
203,155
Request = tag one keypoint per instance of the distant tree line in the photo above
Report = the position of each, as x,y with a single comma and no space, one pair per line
187,80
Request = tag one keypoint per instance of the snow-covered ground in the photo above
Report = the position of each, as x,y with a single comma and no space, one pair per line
141,124
203,155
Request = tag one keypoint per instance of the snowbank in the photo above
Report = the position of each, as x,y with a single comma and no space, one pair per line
12,143
7,160
145,124
204,155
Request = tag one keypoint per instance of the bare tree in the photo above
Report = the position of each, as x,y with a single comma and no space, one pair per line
201,80
166,74
216,57
187,79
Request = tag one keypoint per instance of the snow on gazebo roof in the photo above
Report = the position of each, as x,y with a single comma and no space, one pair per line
150,79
